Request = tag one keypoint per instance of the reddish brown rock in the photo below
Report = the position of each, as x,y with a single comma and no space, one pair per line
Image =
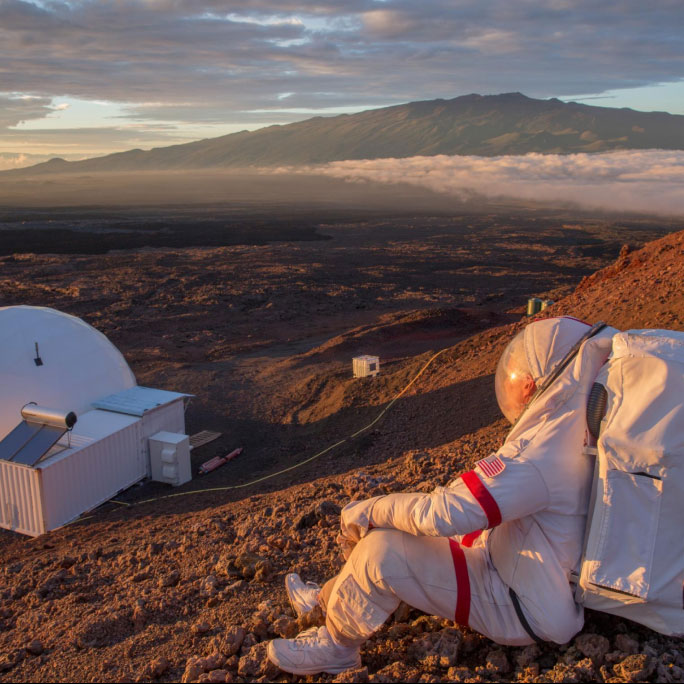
193,670
357,675
314,618
263,570
593,646
635,668
497,662
285,627
218,676
257,664
230,641
528,655
35,647
158,667
626,644
67,562
201,627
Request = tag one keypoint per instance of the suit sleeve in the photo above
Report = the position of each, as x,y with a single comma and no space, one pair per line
472,502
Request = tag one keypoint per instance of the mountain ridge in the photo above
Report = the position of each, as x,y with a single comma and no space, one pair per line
481,125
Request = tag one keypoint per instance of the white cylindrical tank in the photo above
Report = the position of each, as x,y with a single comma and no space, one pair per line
74,363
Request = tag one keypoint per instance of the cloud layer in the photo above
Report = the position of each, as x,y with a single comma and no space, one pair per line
224,61
646,181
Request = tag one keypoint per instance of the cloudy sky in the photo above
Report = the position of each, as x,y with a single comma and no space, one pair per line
84,77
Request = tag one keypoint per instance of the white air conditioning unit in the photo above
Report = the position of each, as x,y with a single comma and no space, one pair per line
170,458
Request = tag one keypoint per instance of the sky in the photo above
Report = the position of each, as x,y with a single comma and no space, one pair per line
80,78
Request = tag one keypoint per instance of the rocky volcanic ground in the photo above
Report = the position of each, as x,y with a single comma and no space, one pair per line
263,334
192,588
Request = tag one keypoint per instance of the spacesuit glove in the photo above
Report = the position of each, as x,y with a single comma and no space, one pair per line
354,523
346,546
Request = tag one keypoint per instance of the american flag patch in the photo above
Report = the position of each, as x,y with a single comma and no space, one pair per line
491,466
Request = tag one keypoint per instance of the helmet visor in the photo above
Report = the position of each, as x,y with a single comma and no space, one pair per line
512,373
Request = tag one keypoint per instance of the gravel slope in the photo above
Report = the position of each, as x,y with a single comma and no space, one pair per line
173,590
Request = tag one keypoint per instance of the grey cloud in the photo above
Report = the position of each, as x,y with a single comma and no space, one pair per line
95,138
361,52
14,110
214,114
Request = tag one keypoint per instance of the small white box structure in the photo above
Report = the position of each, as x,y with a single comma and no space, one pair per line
170,458
366,365
60,362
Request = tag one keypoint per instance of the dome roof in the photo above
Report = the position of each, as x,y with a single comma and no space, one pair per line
79,364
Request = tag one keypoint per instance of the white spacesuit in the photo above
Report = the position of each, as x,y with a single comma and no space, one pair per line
493,550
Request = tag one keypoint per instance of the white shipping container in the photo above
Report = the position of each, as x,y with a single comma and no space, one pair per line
21,509
105,456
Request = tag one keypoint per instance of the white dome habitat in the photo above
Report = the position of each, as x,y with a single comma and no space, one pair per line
75,364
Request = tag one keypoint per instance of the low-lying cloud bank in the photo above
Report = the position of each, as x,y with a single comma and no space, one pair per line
648,181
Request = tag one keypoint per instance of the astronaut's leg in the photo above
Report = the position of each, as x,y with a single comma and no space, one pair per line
326,593
385,568
371,585
434,575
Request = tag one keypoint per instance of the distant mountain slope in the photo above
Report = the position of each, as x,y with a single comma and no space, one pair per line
470,125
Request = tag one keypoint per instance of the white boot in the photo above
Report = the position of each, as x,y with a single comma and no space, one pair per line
311,652
303,596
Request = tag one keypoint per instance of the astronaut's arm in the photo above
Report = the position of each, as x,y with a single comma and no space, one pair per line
472,502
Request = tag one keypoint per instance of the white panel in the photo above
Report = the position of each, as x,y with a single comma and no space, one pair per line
20,502
168,418
137,400
85,478
96,424
74,441
170,458
91,427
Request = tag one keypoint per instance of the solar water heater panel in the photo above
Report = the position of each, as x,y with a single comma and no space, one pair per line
39,445
29,442
17,439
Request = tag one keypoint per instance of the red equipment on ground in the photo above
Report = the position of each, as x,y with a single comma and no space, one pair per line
218,461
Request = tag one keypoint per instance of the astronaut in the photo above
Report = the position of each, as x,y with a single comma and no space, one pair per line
495,550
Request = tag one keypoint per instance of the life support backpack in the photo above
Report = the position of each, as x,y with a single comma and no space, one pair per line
633,560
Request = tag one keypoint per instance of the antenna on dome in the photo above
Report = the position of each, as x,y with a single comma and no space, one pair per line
38,361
